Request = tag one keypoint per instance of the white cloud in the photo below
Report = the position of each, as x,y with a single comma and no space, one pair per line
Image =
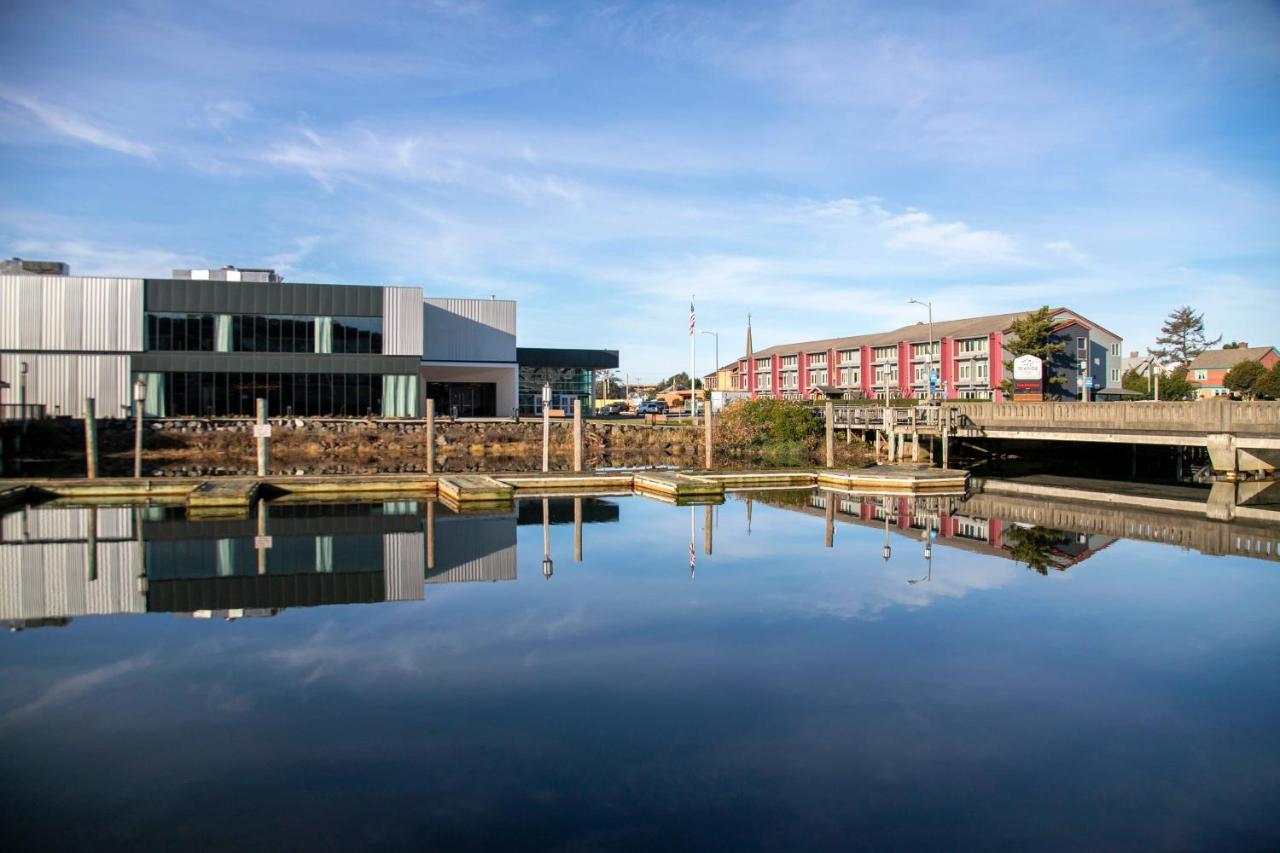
67,124
219,114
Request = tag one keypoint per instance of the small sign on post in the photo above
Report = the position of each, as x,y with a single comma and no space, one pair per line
260,542
1028,379
262,430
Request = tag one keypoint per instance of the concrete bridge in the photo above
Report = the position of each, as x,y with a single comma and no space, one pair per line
1242,438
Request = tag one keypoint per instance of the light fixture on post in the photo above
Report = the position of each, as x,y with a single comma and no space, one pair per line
928,359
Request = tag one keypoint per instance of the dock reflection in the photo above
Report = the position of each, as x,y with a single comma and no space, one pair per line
58,563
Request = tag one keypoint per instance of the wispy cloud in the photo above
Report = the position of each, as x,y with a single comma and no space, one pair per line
73,687
67,124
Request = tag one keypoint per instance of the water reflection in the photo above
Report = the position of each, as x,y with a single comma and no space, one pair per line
62,562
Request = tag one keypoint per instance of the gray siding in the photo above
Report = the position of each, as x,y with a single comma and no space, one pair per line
402,321
236,297
474,549
61,382
61,313
403,560
469,330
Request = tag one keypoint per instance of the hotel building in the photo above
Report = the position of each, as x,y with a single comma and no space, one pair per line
968,354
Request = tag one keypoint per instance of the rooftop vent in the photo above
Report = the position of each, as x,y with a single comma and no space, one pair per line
230,273
19,266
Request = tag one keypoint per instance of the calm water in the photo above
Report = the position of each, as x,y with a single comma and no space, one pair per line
369,686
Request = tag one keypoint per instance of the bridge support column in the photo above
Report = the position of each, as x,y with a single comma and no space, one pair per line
877,445
915,447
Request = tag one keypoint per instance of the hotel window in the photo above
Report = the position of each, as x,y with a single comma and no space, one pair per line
763,364
972,345
788,380
1115,349
887,373
981,369
921,373
1082,343
764,382
1115,374
850,377
921,350
848,356
965,371
818,377
882,353
817,359
788,361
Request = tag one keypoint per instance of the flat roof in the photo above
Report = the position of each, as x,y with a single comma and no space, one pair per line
587,359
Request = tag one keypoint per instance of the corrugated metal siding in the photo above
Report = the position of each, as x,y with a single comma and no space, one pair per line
50,580
403,561
47,312
61,382
402,321
469,330
498,566
65,524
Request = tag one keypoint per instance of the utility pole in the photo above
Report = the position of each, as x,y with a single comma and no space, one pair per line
928,359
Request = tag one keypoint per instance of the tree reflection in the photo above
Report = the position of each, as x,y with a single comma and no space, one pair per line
1035,547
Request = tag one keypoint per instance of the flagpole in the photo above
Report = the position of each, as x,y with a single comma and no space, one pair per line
693,359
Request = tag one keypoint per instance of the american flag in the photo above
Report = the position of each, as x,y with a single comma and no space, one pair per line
693,318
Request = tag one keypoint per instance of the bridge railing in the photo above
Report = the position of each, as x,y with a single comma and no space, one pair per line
1213,416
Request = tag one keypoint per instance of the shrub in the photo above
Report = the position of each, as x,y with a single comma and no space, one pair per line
759,423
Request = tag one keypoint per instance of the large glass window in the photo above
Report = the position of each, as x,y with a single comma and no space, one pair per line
262,333
221,394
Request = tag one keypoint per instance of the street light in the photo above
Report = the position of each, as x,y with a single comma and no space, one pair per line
886,551
928,359
547,568
716,371
546,427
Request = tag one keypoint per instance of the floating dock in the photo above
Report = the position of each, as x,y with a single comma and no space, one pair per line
895,478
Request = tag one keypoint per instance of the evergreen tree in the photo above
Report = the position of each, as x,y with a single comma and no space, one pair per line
1182,338
1032,334
1243,377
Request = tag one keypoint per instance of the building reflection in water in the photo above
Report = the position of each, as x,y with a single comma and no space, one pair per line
61,562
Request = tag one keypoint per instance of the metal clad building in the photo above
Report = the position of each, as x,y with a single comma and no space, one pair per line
469,356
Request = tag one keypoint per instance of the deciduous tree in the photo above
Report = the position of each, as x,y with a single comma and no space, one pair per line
1244,377
1268,384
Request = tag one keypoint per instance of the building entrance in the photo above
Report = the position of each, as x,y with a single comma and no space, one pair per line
465,399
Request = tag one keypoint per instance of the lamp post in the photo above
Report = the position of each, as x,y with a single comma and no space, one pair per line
886,551
928,359
547,568
716,370
139,395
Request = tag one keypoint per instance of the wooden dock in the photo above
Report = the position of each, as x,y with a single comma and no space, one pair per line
463,489
673,484
894,478
233,495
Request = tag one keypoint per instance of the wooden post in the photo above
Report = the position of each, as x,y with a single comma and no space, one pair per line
262,439
877,445
260,544
707,518
90,439
91,545
708,456
831,434
577,524
577,435
831,519
946,438
431,534
431,436
915,447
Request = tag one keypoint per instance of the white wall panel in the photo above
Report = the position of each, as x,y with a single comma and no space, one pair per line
403,561
40,581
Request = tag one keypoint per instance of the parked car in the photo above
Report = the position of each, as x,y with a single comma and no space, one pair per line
652,407
612,409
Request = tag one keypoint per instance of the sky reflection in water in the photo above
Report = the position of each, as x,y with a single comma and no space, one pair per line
787,695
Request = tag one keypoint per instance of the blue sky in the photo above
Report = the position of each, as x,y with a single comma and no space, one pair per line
814,164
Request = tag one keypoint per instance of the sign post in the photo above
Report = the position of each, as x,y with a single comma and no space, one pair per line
1028,379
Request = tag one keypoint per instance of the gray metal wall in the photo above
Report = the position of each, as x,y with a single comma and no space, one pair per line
253,297
402,321
403,561
60,313
474,549
469,330
61,382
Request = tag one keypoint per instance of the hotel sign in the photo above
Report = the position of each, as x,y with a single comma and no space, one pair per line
1028,379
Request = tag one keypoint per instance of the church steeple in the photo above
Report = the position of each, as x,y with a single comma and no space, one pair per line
750,350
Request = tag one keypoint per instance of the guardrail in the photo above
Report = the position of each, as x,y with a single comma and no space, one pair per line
1200,416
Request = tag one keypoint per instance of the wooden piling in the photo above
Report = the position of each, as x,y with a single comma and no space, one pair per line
707,454
262,439
577,435
831,434
577,522
431,436
90,439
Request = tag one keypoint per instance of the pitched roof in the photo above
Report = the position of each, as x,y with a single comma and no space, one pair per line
1216,358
